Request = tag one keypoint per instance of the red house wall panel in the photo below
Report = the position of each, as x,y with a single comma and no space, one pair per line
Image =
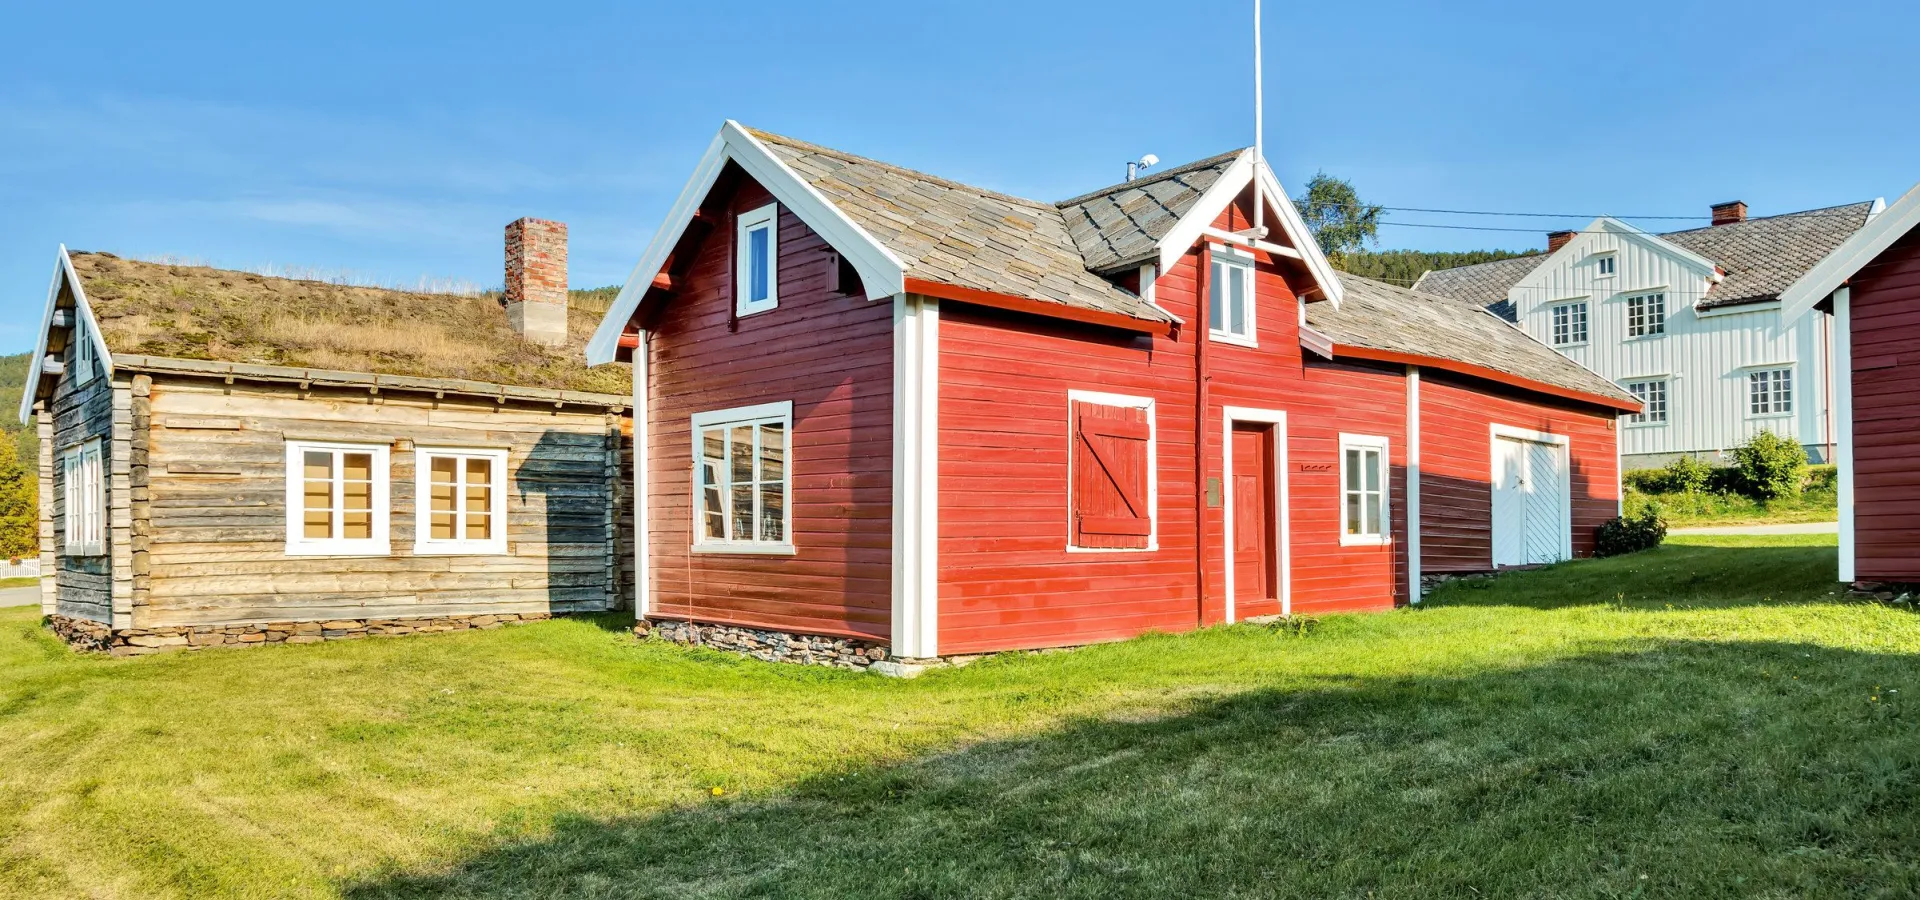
1885,331
829,353
1456,460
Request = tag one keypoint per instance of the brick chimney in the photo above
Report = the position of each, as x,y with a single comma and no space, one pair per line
537,280
1729,213
1558,239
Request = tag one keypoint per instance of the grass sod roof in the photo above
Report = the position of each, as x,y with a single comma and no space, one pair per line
219,315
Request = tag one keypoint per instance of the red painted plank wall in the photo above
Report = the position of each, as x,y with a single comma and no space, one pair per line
832,355
1885,309
1006,577
1456,459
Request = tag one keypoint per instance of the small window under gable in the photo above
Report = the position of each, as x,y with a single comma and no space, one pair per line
1112,464
82,358
1230,296
757,270
1603,265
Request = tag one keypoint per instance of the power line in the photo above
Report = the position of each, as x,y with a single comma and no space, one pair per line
1809,214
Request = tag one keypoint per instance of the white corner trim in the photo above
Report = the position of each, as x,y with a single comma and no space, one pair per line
1283,528
642,494
916,478
883,274
1413,485
1851,256
1125,401
1843,424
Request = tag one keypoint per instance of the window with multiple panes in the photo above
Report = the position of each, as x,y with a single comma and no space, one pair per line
1603,265
1652,394
336,499
757,277
1647,314
1570,324
1230,295
83,353
1770,392
83,479
1111,481
1363,489
460,501
742,482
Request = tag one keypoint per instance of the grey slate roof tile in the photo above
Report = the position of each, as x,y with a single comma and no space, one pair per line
1121,224
1381,316
1761,258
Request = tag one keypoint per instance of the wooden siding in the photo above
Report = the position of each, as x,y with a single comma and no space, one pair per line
1007,577
83,585
1456,448
1885,311
830,354
1705,358
207,488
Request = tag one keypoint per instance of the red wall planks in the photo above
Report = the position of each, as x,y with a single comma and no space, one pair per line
1885,309
830,354
1456,448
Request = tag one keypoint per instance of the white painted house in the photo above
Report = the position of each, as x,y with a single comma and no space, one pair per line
1688,321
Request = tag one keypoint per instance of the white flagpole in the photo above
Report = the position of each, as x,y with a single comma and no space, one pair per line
1259,156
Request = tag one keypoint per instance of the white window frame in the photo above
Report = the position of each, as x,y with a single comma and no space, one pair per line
1639,419
1586,323
1649,327
1122,401
423,542
1606,264
300,545
1380,445
764,413
83,355
84,483
1773,404
1223,258
768,218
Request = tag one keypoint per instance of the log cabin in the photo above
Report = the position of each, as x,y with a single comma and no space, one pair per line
229,458
1869,288
879,407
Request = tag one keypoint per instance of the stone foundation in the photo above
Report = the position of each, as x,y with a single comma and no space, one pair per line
86,634
771,646
1885,592
1429,582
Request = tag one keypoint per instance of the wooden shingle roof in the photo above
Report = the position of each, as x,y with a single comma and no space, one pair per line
1121,225
1384,317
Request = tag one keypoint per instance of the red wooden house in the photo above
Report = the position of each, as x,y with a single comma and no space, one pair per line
881,405
1870,285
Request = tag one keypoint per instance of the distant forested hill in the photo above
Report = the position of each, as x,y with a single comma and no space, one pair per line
1403,267
13,380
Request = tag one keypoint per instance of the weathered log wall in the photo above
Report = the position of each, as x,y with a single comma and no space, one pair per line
83,585
205,506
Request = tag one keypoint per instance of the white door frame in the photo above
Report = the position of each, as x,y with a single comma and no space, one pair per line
1282,526
1496,433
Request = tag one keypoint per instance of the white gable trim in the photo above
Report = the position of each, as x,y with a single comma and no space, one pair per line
1851,256
883,274
1240,173
1579,249
82,313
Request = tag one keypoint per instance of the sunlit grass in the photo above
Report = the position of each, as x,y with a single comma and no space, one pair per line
1709,719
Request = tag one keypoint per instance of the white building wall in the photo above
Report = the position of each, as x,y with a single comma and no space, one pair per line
1705,356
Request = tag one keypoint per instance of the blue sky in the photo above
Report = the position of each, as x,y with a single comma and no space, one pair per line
391,142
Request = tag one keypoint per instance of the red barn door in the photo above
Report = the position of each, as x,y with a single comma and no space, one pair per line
1255,583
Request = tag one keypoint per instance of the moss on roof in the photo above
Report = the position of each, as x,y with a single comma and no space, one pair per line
195,312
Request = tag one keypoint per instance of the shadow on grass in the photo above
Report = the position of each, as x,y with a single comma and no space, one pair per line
1716,574
1676,769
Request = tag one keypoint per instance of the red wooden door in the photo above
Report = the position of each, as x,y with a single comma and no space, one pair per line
1255,593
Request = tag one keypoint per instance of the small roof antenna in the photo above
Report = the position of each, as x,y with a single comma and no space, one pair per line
1144,163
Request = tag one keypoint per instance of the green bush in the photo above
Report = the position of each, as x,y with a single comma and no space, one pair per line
1771,467
1642,529
1822,478
1688,475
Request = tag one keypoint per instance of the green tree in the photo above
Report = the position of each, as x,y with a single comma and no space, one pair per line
1340,223
19,506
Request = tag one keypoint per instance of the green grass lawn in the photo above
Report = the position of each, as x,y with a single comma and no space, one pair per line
1707,508
18,583
1706,720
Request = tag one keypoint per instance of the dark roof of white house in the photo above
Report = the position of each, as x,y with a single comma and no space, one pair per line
1761,258
1380,316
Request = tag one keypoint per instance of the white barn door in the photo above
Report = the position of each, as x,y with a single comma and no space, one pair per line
1531,497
